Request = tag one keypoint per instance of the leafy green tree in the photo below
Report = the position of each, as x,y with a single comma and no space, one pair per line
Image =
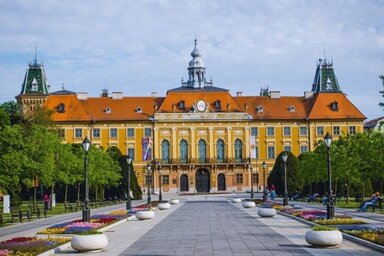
13,111
311,167
294,177
12,161
4,118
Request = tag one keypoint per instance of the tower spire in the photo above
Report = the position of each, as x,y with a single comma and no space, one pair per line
196,70
35,60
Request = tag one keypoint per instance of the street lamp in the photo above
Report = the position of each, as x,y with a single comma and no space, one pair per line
160,195
86,211
251,168
330,204
285,199
264,165
128,205
148,187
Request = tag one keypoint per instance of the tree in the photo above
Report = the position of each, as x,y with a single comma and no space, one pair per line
13,111
12,161
294,177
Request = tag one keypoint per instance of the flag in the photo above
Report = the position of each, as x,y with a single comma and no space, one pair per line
252,146
147,154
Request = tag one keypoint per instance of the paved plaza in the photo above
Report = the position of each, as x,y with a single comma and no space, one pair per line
212,225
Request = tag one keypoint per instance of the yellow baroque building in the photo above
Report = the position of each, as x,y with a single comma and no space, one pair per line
202,138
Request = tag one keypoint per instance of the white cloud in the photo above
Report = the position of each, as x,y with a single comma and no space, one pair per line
245,44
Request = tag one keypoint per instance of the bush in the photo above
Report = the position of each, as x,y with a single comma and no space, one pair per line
324,228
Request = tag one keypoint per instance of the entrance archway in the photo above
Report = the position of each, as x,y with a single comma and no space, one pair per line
221,182
184,183
203,181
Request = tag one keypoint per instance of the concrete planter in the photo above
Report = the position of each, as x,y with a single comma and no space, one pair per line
174,201
249,204
236,200
87,243
164,206
326,238
266,212
145,215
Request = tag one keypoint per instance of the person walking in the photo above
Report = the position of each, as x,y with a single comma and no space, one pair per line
47,201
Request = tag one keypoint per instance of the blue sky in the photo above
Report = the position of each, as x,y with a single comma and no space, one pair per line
138,47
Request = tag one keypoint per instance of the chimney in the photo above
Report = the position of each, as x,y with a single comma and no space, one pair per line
104,93
238,94
308,94
246,107
274,94
82,95
117,95
154,94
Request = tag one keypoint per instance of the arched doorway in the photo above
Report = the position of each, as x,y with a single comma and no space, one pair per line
203,183
183,182
221,182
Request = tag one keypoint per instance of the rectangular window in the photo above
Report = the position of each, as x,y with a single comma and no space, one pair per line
165,179
320,130
287,131
131,153
113,133
336,130
79,133
147,132
271,131
303,131
61,133
239,178
303,149
130,132
96,133
254,131
288,148
352,129
257,152
271,152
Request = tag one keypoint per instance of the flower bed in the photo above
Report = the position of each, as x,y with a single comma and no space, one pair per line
375,236
78,226
29,246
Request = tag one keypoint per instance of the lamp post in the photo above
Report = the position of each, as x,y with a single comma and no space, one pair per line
148,185
264,165
285,199
128,205
330,203
251,168
160,194
86,211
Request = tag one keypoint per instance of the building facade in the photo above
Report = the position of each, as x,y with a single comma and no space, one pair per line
199,137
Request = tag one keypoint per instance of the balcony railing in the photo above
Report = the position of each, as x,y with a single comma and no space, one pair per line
203,161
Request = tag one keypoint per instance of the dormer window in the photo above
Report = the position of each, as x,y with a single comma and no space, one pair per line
259,109
139,110
34,85
61,108
108,110
217,104
291,108
181,104
334,106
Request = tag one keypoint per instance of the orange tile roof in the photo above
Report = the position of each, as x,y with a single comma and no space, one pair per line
121,109
190,98
274,108
321,109
74,109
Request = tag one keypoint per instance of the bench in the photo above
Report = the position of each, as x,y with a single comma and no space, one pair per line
71,207
376,204
17,213
35,209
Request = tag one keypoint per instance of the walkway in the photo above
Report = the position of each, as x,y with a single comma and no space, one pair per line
211,225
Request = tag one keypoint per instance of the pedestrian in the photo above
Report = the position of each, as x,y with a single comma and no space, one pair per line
47,201
273,192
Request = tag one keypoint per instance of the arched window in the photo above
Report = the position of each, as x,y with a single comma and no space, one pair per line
220,150
238,150
165,151
183,151
202,147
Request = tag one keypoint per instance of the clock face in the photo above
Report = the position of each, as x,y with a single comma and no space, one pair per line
200,105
